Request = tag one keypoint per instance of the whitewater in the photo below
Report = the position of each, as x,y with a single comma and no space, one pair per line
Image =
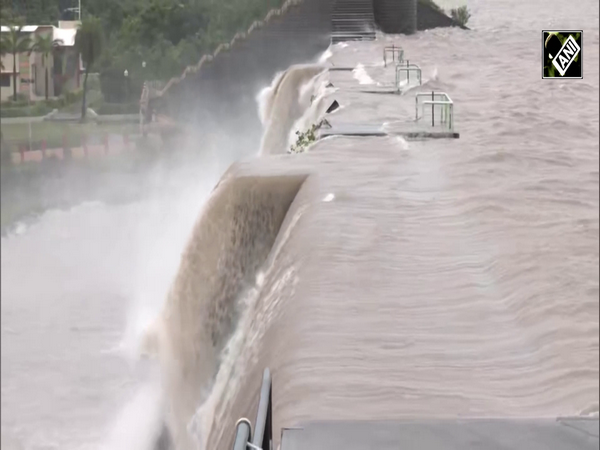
377,278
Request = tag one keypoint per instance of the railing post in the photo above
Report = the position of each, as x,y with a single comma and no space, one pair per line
84,145
243,434
263,429
44,146
432,109
22,152
416,107
263,432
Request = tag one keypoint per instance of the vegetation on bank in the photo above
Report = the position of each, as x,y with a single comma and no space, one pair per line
23,107
70,102
89,42
150,39
307,138
460,15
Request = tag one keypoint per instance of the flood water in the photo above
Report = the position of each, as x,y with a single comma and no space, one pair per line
442,278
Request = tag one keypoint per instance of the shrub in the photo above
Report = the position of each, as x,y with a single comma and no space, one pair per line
25,108
460,15
307,138
36,109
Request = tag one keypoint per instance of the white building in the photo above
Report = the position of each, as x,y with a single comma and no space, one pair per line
63,64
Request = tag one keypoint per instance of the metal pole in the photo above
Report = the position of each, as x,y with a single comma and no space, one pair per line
79,10
242,435
432,109
416,107
262,429
29,104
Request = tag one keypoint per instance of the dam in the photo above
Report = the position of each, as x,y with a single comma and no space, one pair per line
417,274
371,307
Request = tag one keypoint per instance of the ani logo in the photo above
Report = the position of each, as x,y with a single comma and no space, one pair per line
562,54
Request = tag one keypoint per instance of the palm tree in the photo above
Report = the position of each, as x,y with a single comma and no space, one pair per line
15,42
3,51
89,42
45,45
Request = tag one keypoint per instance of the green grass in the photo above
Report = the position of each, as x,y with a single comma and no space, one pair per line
15,134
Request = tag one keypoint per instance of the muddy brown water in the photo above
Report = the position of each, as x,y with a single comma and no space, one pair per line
440,278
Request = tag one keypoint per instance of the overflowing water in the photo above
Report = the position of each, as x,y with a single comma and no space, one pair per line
438,278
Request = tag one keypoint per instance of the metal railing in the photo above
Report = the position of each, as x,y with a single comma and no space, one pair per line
263,429
440,99
395,51
407,68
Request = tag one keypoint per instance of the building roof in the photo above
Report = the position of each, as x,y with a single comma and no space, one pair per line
66,35
25,28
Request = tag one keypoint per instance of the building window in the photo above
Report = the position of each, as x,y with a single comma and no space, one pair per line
5,79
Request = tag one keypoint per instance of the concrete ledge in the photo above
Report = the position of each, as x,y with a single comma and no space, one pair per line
409,131
464,434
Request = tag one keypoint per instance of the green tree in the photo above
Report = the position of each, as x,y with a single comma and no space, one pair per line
3,51
45,45
460,15
14,42
89,42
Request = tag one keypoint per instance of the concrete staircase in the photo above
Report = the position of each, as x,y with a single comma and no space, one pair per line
352,20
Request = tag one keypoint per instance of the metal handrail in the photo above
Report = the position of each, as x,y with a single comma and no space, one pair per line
437,98
395,50
243,434
263,432
408,68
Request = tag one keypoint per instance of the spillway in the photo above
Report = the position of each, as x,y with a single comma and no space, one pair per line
418,278
403,274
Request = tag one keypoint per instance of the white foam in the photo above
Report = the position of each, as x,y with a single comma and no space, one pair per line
403,143
265,98
317,92
361,75
325,56
139,424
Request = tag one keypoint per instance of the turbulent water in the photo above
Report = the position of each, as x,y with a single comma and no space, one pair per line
438,278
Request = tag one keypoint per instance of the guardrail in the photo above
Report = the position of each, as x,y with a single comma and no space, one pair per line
407,68
263,430
395,51
440,99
